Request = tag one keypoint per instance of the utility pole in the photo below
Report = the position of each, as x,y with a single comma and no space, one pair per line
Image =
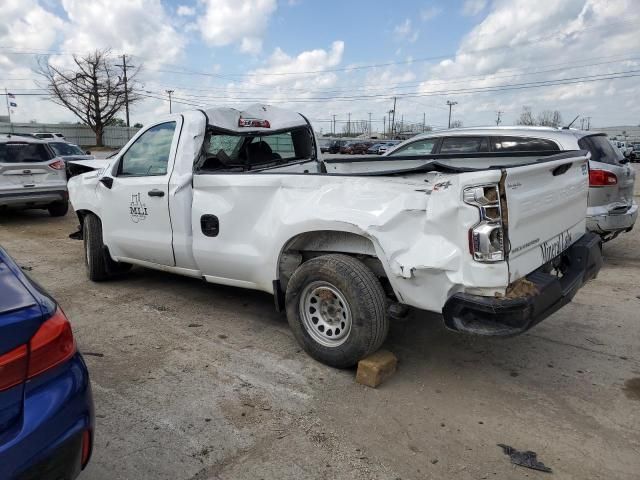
349,126
370,131
588,123
451,104
169,92
402,123
424,121
126,88
6,96
498,120
333,126
393,119
384,126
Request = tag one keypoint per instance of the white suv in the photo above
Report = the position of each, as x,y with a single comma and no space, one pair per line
611,208
31,176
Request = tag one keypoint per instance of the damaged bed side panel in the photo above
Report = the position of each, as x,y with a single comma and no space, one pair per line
416,224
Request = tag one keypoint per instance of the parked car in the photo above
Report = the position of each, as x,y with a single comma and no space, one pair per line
69,151
32,176
635,152
612,209
335,146
360,148
374,149
324,145
336,241
49,135
347,148
387,146
46,407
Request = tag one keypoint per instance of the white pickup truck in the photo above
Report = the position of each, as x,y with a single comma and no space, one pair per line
494,242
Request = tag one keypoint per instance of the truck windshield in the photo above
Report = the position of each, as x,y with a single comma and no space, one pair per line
240,152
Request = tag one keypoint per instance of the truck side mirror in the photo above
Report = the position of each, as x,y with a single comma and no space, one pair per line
107,182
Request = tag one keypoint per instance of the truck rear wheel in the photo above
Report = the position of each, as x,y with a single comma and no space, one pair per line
100,266
336,308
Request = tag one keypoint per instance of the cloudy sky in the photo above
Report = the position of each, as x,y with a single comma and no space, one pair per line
328,58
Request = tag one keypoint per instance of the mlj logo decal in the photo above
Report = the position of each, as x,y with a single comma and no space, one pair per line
137,209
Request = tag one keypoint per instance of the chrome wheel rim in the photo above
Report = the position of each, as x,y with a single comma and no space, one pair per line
325,314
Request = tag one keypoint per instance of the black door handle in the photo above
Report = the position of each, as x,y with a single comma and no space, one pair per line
156,193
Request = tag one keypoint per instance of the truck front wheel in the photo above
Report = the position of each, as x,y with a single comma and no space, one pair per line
100,266
336,308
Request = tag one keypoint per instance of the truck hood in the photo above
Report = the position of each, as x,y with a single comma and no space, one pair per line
91,164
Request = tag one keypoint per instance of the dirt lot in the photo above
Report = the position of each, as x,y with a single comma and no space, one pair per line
196,381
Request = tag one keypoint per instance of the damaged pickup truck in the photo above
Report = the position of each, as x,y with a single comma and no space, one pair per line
494,242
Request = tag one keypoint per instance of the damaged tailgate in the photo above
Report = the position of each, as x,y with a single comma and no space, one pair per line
546,209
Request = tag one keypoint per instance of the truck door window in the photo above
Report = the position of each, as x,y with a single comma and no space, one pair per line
419,147
464,145
149,154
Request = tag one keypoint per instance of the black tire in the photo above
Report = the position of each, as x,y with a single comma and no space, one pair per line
58,209
366,304
100,266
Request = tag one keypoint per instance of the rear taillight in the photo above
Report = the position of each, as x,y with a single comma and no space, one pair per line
57,165
602,178
13,367
486,238
52,344
86,448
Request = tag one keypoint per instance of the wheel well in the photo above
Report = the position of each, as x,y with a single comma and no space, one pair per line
81,214
309,245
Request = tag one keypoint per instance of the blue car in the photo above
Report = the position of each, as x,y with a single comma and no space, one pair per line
46,407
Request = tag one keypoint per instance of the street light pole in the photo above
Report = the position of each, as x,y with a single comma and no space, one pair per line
451,104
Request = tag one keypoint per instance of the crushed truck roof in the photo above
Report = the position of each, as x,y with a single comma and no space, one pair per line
278,118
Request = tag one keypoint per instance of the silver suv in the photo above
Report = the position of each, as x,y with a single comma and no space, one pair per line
611,209
31,176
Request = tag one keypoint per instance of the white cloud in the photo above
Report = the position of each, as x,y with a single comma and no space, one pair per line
519,38
473,7
141,28
405,32
429,13
185,11
315,61
242,22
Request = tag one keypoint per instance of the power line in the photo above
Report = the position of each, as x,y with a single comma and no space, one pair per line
419,94
404,62
14,51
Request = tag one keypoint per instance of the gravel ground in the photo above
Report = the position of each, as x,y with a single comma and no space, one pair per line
197,381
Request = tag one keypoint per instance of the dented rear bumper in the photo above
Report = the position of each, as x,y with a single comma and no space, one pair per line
495,316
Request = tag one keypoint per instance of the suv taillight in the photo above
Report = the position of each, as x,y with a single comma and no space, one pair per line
51,345
602,178
57,165
486,238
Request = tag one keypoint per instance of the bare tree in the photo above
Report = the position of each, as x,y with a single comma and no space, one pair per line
550,118
93,89
456,124
526,117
